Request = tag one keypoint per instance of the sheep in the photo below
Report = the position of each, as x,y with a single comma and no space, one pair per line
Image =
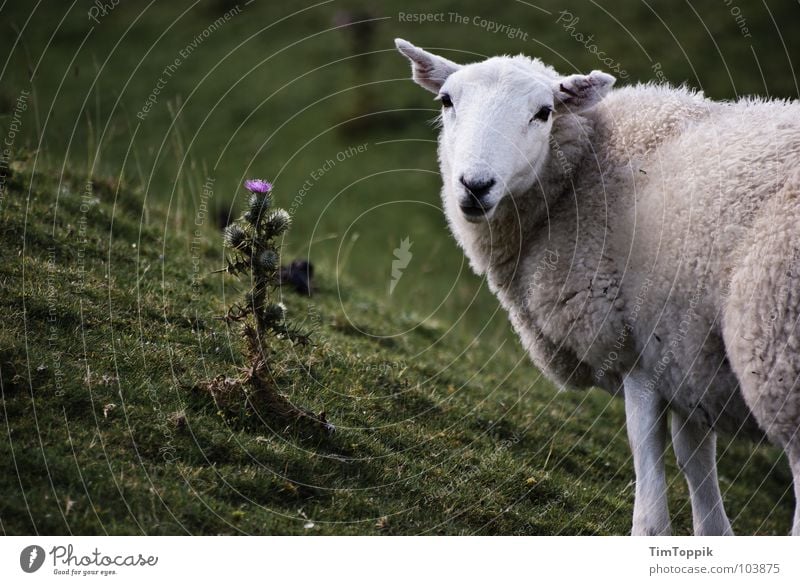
668,223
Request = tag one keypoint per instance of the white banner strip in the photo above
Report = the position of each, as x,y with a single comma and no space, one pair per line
401,560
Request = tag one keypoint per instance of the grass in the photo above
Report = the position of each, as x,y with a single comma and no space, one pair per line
104,339
110,308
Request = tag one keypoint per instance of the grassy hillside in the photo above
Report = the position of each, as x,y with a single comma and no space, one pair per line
109,324
125,139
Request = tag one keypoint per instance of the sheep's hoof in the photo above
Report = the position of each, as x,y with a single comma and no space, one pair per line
647,530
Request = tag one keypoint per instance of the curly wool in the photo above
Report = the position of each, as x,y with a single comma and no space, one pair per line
673,224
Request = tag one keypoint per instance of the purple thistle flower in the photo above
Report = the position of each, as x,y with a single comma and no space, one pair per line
258,186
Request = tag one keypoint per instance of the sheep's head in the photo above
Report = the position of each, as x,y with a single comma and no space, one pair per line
497,116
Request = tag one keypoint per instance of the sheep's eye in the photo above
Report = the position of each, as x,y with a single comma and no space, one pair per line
543,114
446,101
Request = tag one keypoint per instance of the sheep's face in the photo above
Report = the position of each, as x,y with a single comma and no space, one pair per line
495,132
497,116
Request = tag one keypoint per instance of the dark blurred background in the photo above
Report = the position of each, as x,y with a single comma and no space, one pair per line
313,96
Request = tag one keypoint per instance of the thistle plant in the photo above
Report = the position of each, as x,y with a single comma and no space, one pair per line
253,242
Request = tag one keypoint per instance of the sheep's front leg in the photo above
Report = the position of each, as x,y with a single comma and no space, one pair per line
696,450
646,419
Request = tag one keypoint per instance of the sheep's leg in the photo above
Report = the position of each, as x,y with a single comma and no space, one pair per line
645,414
696,450
793,453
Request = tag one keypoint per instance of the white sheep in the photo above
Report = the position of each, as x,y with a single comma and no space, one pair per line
673,225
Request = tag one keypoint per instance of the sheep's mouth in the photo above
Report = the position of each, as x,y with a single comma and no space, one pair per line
475,213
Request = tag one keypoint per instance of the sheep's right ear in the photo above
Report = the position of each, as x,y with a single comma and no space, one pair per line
579,92
428,70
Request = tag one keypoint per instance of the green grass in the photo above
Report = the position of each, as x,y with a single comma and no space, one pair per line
110,309
102,343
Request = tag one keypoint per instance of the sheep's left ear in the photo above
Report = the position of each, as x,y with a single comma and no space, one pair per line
428,70
579,92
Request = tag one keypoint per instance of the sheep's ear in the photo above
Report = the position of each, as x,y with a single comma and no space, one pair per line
579,92
428,70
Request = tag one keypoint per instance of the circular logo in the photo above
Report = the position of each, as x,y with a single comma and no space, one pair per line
31,558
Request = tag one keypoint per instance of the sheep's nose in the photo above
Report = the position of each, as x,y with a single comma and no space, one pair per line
477,188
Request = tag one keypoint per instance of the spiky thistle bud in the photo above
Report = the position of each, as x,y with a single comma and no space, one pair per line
234,237
258,207
275,312
278,222
268,260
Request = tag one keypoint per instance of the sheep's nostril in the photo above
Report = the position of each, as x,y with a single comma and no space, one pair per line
477,188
